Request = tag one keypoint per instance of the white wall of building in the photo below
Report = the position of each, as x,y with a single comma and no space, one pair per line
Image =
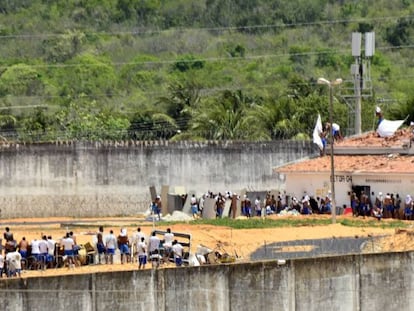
402,184
318,184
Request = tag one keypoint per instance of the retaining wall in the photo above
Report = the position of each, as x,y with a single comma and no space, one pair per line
351,283
111,179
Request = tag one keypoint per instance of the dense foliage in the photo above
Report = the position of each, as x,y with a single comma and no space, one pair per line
195,69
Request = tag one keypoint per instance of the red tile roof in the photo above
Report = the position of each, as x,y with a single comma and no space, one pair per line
387,162
347,163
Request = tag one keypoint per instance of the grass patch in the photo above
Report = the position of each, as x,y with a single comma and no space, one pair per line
374,223
259,223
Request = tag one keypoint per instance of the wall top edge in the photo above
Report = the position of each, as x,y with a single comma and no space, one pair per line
152,144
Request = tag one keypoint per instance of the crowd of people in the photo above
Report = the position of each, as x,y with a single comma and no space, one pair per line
25,255
46,253
389,205
138,248
267,205
379,206
39,253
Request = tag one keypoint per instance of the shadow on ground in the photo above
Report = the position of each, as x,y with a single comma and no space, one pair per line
313,248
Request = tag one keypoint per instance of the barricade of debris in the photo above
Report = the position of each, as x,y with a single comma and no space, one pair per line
206,255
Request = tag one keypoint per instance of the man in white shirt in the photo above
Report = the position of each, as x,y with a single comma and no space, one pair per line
35,249
14,264
168,240
336,130
154,244
177,250
51,244
142,253
43,249
68,245
194,206
135,240
153,249
111,243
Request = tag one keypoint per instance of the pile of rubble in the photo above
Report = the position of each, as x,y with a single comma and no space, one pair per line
401,138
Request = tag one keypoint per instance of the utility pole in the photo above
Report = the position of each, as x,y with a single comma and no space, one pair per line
331,85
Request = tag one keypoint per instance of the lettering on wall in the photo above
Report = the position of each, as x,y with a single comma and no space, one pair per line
343,178
383,180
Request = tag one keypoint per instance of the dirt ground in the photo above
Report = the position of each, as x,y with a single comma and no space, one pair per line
226,240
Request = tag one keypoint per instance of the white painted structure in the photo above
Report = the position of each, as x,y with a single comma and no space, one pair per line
318,184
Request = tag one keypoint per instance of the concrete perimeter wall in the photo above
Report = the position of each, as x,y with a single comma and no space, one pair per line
362,282
113,179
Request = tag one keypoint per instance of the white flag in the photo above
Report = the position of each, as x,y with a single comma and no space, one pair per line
387,128
317,131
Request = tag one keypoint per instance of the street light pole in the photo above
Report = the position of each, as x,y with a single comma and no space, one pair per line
333,201
330,85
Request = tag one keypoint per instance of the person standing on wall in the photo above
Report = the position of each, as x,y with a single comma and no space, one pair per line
110,247
135,240
23,248
142,253
10,245
168,243
100,245
51,246
153,250
68,248
178,253
123,245
44,251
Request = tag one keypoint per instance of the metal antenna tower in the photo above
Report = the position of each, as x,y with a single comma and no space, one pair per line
361,79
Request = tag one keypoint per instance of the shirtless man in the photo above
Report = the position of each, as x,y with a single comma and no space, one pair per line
23,247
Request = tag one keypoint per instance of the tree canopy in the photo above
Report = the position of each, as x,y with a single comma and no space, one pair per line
199,69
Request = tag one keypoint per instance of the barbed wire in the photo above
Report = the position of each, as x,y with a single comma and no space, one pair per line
147,133
214,29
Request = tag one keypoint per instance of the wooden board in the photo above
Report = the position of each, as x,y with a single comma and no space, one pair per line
164,199
208,210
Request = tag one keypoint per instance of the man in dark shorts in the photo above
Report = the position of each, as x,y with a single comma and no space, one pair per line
142,253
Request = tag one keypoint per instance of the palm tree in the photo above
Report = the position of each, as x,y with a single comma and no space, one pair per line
227,117
152,125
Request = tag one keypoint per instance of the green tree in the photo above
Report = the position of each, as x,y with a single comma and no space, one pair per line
402,111
88,75
227,117
21,79
152,125
182,98
36,125
400,34
7,126
188,62
85,119
59,49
